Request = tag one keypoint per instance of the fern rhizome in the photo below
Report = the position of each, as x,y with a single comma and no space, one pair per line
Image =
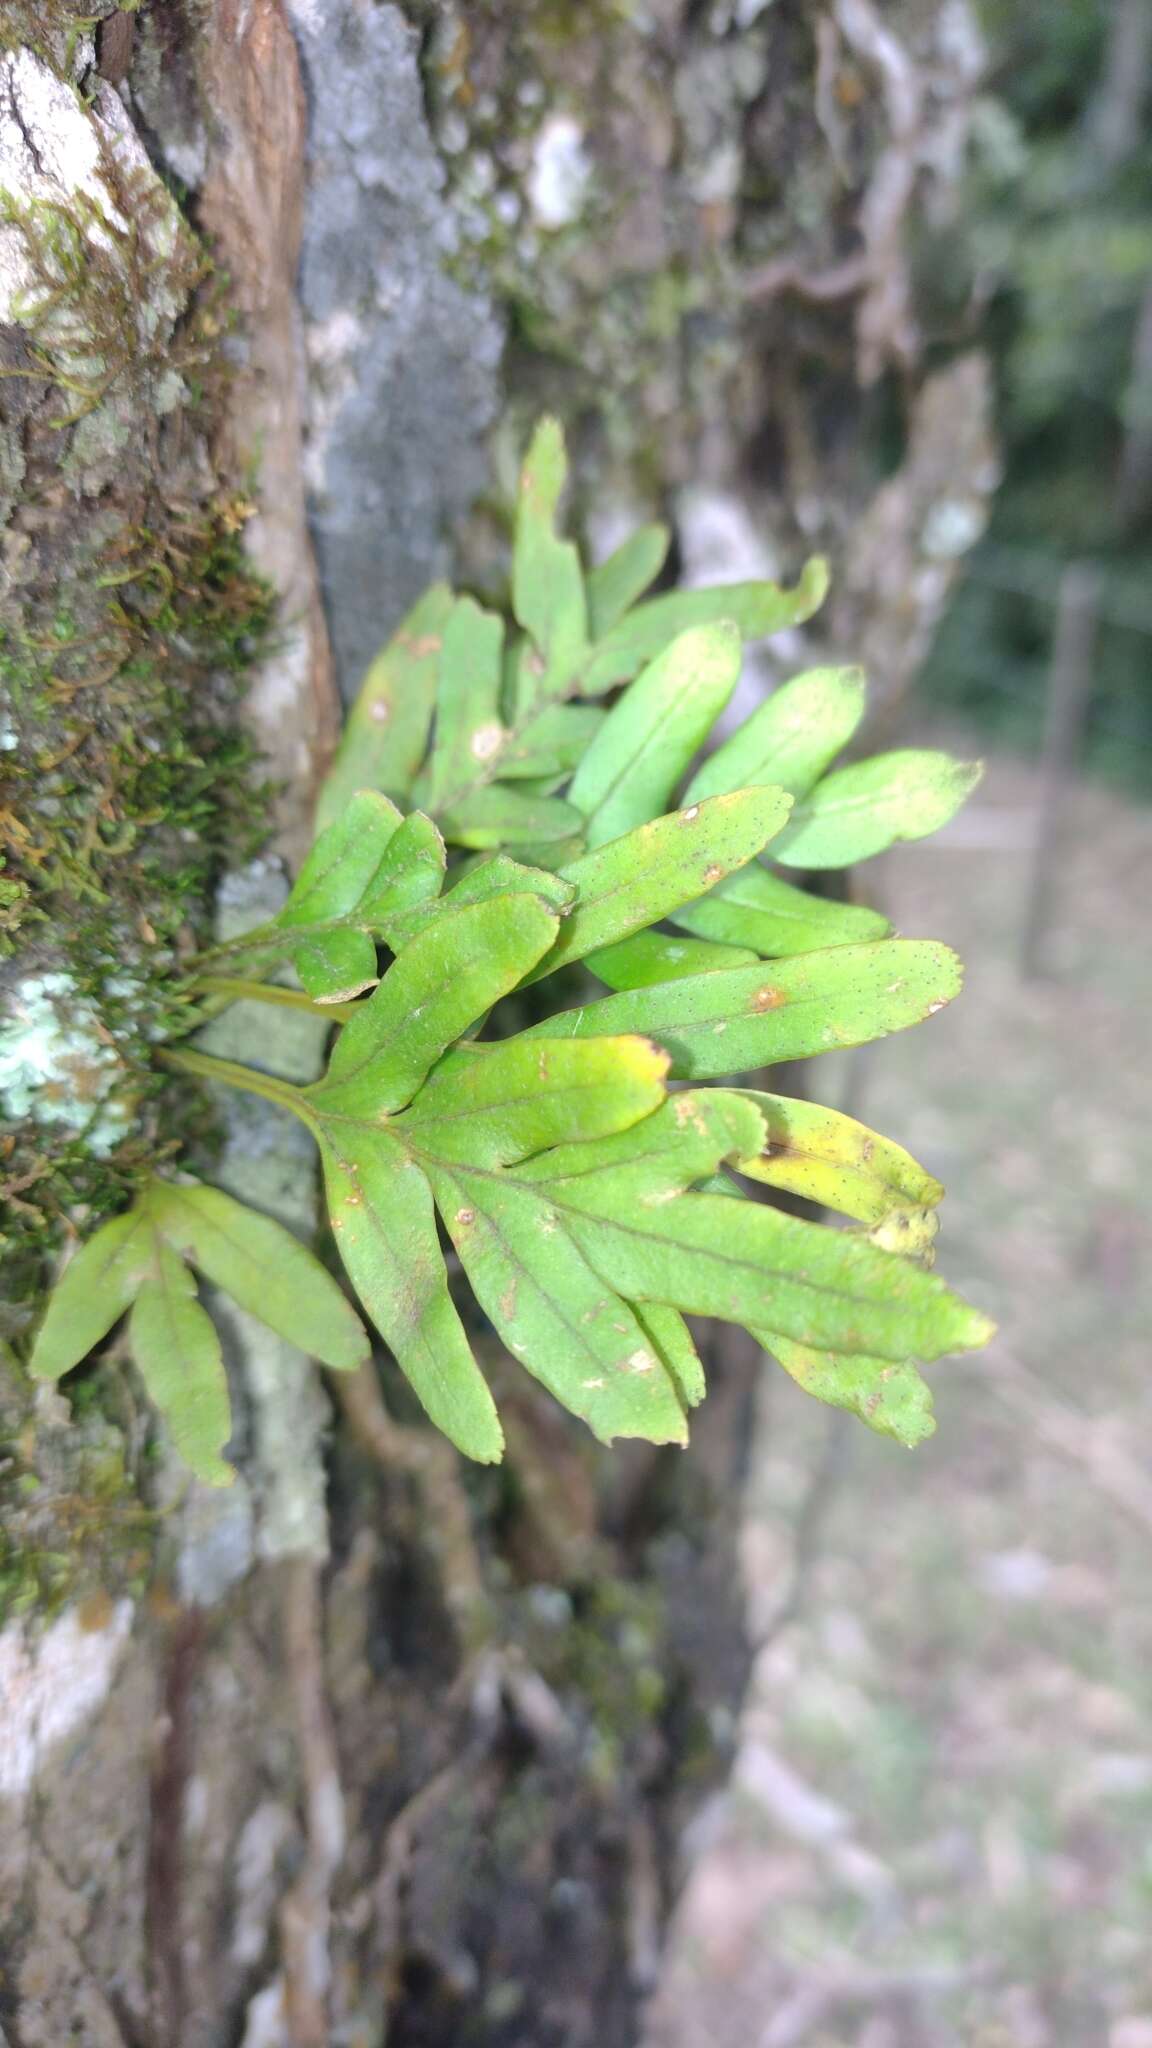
516,804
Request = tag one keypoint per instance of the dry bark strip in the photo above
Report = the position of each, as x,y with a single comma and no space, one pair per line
252,204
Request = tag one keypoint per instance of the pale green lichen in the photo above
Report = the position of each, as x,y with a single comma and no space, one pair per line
583,188
58,1066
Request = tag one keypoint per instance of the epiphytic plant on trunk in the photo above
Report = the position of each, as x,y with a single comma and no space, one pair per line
524,806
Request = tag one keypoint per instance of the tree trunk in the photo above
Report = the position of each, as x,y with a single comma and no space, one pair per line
371,1748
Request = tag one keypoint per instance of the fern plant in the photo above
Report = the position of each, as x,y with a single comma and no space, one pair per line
518,805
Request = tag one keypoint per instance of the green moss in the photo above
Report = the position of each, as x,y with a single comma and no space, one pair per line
71,1525
127,784
613,1656
127,781
14,906
114,828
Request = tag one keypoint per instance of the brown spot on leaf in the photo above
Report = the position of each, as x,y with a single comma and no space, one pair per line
767,998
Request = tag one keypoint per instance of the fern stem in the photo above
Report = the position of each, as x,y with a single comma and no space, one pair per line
230,1074
235,989
258,940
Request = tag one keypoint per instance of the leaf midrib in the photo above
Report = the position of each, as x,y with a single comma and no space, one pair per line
765,1273
546,1192
457,1169
404,1291
875,802
711,1017
217,1230
651,740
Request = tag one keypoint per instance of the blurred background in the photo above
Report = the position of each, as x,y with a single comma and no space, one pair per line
939,1830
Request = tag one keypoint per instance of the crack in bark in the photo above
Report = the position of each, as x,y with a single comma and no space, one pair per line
25,133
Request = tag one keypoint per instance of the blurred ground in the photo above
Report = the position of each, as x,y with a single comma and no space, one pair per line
940,1827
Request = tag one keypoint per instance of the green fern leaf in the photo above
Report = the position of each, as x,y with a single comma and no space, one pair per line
380,1207
791,739
262,1267
645,744
364,873
628,884
548,596
177,1353
387,729
615,584
97,1286
469,730
448,976
862,810
758,609
773,918
890,1396
740,1018
590,1208
650,957
136,1262
839,1163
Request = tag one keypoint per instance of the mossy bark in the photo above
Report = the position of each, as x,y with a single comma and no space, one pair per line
415,1772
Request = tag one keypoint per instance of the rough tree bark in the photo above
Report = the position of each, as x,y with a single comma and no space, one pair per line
370,1749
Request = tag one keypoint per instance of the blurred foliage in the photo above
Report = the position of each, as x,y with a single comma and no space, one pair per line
1050,265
